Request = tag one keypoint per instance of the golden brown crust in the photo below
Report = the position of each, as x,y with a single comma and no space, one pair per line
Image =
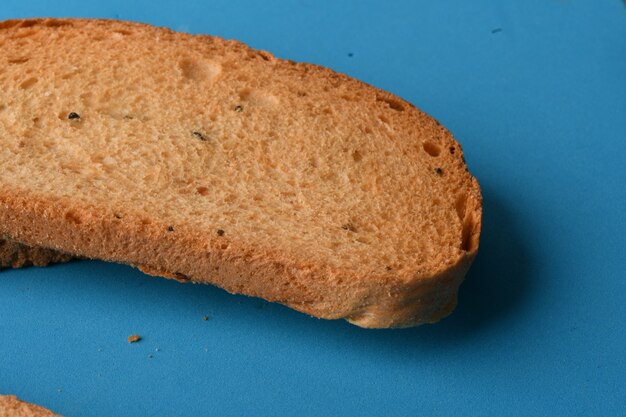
378,298
11,406
383,301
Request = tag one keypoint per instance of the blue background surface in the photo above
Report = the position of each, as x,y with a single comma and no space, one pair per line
536,93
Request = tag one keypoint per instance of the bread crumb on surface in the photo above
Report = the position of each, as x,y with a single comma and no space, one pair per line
134,338
10,405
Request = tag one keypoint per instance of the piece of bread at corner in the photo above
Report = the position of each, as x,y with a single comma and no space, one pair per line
11,406
17,255
204,160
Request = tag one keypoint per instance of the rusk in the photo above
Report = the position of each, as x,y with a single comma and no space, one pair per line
201,159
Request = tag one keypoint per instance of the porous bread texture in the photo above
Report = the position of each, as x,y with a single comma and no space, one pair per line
11,406
17,255
202,159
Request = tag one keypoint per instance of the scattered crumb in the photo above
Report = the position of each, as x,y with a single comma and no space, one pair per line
205,318
134,338
149,355
99,349
157,350
206,349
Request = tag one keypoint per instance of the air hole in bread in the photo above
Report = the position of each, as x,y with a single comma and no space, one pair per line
73,217
7,24
328,176
460,205
69,75
29,23
197,70
18,60
123,32
452,150
383,119
432,148
86,99
468,239
393,103
108,163
258,98
28,83
55,23
181,277
202,190
244,93
265,56
23,34
356,155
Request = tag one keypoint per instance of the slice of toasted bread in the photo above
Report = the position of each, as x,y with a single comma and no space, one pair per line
11,406
204,160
